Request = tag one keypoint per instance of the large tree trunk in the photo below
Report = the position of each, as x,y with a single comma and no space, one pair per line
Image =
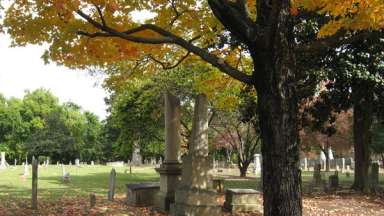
362,122
278,111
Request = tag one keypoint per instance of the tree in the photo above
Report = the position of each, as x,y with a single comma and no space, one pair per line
240,129
264,27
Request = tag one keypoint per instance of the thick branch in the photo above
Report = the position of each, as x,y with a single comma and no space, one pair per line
234,16
166,37
342,37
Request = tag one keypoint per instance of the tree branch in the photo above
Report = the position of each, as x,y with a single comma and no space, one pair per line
342,37
165,38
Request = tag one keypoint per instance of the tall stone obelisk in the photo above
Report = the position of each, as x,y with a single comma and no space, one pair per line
195,195
170,169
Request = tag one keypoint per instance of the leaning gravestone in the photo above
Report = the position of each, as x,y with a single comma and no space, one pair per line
112,184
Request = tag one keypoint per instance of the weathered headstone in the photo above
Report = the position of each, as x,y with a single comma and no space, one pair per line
305,164
65,175
374,176
3,163
195,195
35,166
256,163
26,170
317,175
92,200
112,184
77,162
92,163
136,156
334,181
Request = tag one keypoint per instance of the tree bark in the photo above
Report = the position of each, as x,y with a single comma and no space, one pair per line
276,90
362,122
243,167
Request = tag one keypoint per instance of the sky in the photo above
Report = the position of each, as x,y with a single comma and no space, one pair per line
23,69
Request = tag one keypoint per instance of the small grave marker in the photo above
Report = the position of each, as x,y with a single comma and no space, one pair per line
112,184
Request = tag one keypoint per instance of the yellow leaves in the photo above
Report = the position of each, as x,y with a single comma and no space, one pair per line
347,14
330,28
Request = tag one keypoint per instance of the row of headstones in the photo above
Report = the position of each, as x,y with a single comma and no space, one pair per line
66,178
334,179
339,164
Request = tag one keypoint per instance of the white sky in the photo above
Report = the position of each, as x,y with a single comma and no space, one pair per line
22,69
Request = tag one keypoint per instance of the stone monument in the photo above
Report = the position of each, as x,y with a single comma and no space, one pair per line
195,195
170,169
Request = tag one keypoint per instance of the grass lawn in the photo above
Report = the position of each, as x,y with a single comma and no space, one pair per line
84,180
58,198
94,179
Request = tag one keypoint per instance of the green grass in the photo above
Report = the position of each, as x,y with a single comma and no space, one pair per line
87,179
84,180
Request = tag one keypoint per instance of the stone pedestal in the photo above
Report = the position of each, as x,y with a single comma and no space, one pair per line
169,180
170,170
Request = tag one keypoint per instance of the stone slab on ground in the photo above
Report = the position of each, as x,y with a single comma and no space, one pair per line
242,200
142,194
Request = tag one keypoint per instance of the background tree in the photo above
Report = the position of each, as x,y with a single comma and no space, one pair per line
194,26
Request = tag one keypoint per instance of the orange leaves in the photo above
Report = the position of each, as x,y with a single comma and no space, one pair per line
294,11
347,14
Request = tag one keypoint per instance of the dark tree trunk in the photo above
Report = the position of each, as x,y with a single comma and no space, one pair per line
362,122
277,105
243,167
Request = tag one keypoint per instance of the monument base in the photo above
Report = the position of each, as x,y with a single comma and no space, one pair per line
170,174
196,202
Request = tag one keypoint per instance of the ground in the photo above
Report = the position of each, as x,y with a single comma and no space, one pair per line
58,198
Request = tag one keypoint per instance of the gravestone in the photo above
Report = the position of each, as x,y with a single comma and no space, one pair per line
242,200
317,175
92,163
317,181
136,156
305,164
342,165
65,175
334,181
15,162
92,200
77,162
26,170
3,162
70,163
35,166
256,163
142,194
374,176
112,184
195,195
